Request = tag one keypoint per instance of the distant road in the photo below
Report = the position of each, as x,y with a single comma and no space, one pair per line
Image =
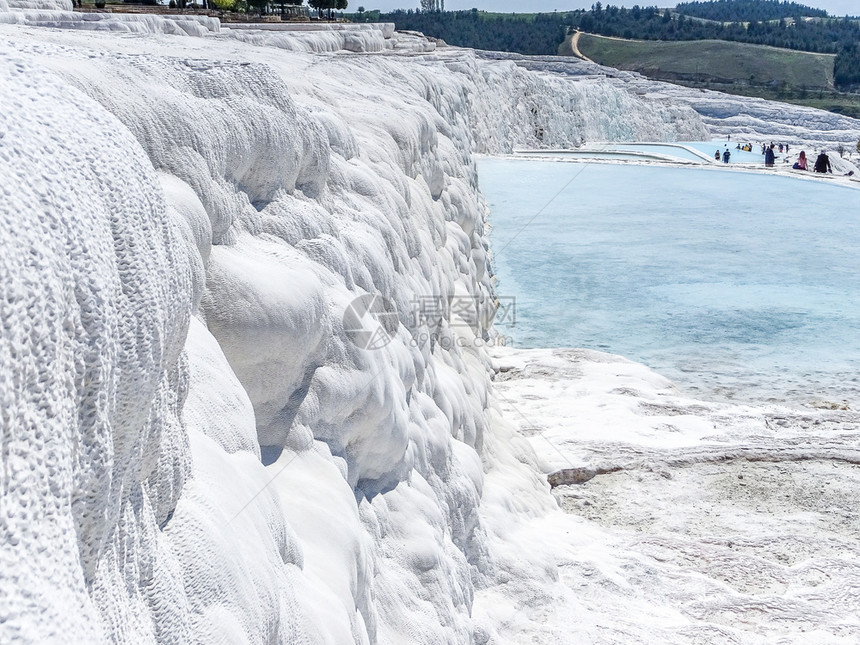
573,42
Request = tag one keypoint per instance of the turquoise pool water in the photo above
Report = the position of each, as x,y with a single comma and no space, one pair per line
588,154
678,151
738,156
736,285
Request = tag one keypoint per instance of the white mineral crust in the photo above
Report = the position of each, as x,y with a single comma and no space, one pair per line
193,450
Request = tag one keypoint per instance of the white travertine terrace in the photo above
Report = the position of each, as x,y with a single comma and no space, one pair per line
193,449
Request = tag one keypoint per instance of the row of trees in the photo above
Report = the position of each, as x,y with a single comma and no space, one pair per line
264,7
533,34
746,10
846,69
327,5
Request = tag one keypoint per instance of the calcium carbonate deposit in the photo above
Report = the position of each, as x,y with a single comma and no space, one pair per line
198,446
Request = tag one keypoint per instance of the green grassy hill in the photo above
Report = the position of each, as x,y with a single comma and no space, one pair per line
713,62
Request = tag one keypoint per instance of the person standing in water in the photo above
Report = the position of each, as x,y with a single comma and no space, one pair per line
822,164
769,157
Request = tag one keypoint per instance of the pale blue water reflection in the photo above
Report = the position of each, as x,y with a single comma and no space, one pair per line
732,284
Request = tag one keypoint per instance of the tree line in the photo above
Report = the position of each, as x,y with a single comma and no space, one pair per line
846,69
532,34
745,10
326,5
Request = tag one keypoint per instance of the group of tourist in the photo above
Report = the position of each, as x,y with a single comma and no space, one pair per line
822,162
726,155
767,151
781,147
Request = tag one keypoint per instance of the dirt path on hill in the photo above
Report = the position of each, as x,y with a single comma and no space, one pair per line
574,47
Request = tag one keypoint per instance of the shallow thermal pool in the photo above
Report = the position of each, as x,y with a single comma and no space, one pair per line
679,150
737,156
736,285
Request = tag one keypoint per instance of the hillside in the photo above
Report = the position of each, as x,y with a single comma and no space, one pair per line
712,61
802,78
786,26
